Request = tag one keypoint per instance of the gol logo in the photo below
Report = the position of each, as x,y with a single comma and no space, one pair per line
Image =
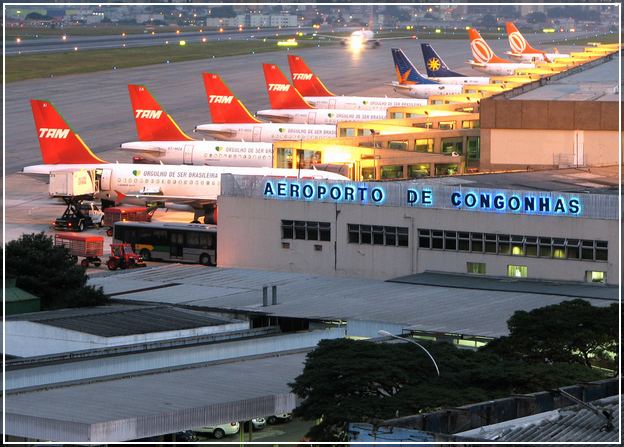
148,114
136,173
218,99
481,50
302,76
45,132
279,87
517,42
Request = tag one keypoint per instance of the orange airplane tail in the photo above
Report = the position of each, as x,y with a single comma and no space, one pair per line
517,42
282,95
304,80
481,51
152,122
224,106
59,144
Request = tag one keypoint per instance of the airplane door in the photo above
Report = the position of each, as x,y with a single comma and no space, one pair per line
105,180
176,245
312,118
332,103
257,134
187,155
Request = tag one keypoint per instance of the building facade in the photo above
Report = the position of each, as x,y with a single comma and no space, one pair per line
385,230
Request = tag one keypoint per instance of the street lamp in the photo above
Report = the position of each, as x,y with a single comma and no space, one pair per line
388,334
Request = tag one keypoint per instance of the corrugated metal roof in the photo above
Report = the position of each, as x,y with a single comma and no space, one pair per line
156,402
114,321
571,424
421,307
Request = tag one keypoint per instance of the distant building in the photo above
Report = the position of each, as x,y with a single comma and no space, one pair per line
145,18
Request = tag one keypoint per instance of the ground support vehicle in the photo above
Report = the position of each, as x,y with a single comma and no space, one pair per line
86,246
126,214
76,216
123,257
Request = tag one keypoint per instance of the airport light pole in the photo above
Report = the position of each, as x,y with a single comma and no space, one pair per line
388,334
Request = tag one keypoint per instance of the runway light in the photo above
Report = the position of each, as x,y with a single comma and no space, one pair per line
123,45
153,33
75,48
220,30
177,31
18,40
182,43
123,34
438,30
64,37
166,42
204,39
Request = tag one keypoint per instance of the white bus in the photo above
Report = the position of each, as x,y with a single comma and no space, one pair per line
182,242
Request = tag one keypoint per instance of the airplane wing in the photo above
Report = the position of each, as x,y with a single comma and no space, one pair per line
274,118
218,134
151,149
396,85
193,201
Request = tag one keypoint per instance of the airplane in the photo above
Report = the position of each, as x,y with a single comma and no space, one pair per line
190,188
523,51
485,60
437,70
360,38
232,121
315,92
412,83
287,104
162,140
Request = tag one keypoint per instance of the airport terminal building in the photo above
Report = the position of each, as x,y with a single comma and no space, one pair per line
508,225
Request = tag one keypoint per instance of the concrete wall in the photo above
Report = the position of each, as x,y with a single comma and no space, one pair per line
508,147
250,237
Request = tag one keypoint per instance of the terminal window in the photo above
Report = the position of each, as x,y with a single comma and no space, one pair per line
305,230
517,271
596,277
514,245
476,268
378,235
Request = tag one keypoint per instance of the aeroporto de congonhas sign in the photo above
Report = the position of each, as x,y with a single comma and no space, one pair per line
417,195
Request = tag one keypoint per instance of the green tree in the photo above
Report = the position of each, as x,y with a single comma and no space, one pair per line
571,331
48,272
357,381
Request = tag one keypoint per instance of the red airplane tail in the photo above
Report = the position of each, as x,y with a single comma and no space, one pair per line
304,80
59,144
224,106
282,95
517,42
481,51
152,122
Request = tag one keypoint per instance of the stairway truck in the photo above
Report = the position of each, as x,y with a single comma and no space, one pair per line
72,183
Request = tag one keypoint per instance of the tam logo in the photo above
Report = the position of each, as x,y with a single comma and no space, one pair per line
279,87
302,76
45,132
148,114
218,99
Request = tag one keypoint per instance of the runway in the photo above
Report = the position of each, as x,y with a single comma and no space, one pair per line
97,106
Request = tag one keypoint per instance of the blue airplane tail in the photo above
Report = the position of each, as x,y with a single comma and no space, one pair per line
405,70
434,64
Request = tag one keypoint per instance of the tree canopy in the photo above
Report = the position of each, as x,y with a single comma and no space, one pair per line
572,331
345,381
48,272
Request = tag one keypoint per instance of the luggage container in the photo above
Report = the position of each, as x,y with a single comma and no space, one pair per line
86,246
125,214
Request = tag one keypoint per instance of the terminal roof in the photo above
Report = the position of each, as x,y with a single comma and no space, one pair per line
119,320
429,308
601,180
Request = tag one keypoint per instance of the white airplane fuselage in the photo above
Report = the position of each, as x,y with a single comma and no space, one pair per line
361,102
462,80
320,116
206,153
181,184
426,90
536,57
500,68
266,132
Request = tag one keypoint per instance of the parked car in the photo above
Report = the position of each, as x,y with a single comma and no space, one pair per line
219,431
256,423
279,418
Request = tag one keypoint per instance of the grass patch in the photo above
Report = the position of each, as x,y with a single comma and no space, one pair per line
31,66
31,32
604,38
